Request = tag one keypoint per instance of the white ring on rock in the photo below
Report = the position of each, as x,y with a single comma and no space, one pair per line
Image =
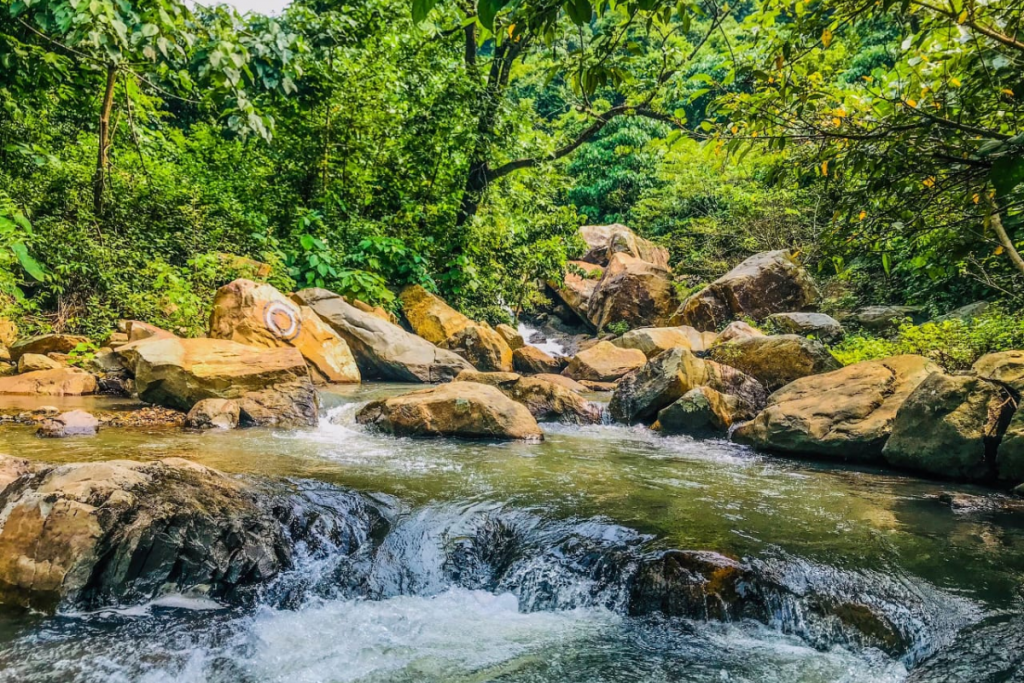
294,325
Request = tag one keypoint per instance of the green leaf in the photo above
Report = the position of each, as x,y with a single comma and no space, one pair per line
30,265
421,8
486,10
1006,174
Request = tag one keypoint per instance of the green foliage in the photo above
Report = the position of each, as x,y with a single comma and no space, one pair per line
617,328
16,236
954,344
82,354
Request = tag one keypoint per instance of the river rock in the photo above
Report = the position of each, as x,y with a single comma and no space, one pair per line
633,291
440,324
882,318
545,400
71,423
511,336
604,362
654,340
822,327
766,283
846,414
576,290
483,348
532,361
272,386
214,413
777,360
737,329
46,343
696,584
949,426
59,382
383,350
562,381
604,241
1004,367
85,536
32,362
702,411
667,377
1010,456
136,331
259,315
464,409
603,387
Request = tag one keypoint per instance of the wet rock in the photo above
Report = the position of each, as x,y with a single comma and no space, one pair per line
777,360
737,329
33,362
766,283
989,652
46,343
532,361
259,315
71,423
90,535
655,340
464,409
271,386
846,414
545,400
949,426
822,327
214,413
562,381
59,382
604,241
604,362
576,290
383,350
667,377
883,318
694,584
511,336
702,411
636,292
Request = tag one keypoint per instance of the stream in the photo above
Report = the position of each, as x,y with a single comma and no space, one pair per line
512,562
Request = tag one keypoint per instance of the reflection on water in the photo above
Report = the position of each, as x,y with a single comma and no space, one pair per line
679,492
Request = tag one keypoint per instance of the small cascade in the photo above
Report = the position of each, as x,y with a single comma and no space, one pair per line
535,337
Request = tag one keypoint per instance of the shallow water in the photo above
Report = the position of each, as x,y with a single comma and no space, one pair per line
874,536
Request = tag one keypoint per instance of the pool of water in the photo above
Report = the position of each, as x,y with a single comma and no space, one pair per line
876,535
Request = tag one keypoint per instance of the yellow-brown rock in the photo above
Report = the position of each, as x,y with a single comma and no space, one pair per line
604,241
545,400
58,382
511,336
259,315
633,291
654,340
532,361
604,362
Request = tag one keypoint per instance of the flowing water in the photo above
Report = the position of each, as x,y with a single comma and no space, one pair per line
512,562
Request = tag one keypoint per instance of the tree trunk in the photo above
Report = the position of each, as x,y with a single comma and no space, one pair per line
102,158
1004,239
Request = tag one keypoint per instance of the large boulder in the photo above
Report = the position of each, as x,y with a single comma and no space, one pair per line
562,381
818,325
777,360
633,291
950,426
578,287
532,361
464,409
1006,368
511,336
271,386
766,283
667,377
259,315
604,241
846,414
545,400
33,362
86,536
655,340
59,382
383,350
604,362
1010,456
703,411
483,348
737,329
46,343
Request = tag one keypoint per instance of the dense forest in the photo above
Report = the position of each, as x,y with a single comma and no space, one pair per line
152,151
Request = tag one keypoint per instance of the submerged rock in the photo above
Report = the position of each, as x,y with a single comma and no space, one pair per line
90,535
532,361
823,327
846,414
383,350
271,386
466,409
777,360
666,378
214,413
604,362
259,315
766,283
695,584
545,400
59,382
949,426
71,423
